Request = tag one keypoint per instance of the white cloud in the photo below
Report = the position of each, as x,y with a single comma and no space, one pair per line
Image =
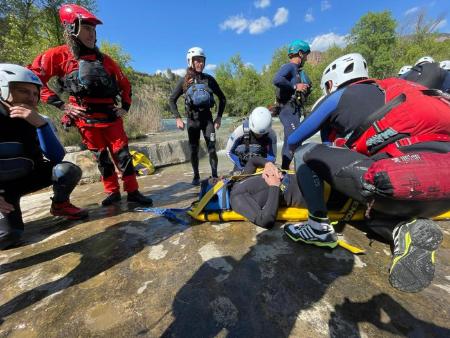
325,41
441,24
411,11
262,3
179,71
210,67
309,16
260,25
325,5
236,23
281,16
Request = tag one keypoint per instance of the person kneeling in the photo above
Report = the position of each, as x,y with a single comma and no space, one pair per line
25,138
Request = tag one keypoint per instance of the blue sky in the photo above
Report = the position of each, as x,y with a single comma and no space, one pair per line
158,33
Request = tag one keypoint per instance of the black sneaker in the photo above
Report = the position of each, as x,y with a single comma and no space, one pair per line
415,243
137,197
112,197
305,233
196,181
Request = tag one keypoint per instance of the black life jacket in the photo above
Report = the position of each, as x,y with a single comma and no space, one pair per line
252,146
90,80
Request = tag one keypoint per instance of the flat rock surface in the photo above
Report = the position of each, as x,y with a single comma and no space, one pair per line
123,273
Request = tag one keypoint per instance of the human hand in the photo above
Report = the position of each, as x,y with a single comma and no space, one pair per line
217,122
301,87
5,207
27,113
272,180
72,111
180,123
270,169
120,112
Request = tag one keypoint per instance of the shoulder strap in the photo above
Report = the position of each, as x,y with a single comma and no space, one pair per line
246,128
375,116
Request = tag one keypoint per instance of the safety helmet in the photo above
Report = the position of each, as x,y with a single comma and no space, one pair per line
445,64
297,46
425,59
73,15
192,52
404,70
260,120
10,73
346,68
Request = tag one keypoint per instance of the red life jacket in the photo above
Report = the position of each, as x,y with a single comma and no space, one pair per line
412,116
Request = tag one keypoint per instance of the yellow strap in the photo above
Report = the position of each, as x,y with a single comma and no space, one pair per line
353,249
206,198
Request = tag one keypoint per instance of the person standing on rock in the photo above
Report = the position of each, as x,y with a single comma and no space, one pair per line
199,89
293,88
25,138
94,82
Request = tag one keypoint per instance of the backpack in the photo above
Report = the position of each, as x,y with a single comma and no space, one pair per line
199,96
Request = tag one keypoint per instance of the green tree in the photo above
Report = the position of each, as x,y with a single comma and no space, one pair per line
374,37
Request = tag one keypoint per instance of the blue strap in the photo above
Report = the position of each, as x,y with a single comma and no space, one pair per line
169,213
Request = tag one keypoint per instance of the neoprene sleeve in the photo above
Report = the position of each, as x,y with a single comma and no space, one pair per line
49,144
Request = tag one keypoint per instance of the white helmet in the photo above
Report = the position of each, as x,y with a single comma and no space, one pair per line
343,69
194,51
13,73
424,59
445,64
404,70
260,120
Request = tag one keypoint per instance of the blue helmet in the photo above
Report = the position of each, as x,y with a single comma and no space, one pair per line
297,46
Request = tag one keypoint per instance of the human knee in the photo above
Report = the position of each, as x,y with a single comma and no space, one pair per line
104,162
66,173
125,161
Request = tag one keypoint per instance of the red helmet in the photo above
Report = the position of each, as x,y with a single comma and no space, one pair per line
72,14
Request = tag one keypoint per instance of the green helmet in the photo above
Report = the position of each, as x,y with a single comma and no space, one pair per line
297,46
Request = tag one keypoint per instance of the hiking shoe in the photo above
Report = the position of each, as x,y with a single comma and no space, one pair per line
68,210
415,243
305,233
137,197
113,197
196,181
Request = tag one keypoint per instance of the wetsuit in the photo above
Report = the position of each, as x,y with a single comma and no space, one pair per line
34,144
338,115
200,121
101,130
238,151
257,201
430,75
291,101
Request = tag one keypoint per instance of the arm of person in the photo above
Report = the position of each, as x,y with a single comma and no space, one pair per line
220,95
50,145
173,98
253,164
123,83
315,120
267,215
283,77
46,66
233,141
272,150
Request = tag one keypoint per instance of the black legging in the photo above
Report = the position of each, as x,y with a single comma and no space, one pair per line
207,127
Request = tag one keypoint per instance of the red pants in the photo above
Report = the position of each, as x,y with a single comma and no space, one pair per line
101,137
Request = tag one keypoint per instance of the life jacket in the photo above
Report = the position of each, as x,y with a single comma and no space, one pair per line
251,147
199,97
14,164
414,176
412,114
90,80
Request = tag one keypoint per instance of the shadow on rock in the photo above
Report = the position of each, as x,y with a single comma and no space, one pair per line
261,295
385,314
98,253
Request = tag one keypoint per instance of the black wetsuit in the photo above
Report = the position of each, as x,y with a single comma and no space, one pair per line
430,75
257,201
63,176
200,121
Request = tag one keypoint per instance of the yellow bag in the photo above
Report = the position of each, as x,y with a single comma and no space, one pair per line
142,163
